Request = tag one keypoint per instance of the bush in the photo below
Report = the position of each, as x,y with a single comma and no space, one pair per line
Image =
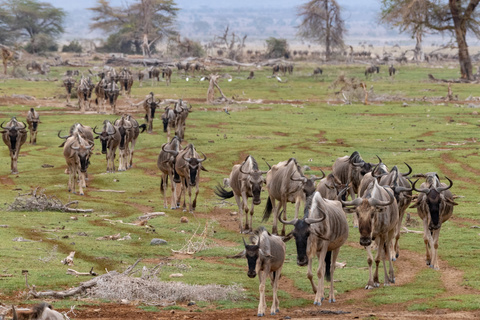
74,46
277,48
41,43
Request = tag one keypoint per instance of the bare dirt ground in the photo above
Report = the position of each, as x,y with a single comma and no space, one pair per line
349,305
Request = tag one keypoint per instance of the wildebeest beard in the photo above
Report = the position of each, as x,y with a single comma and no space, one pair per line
165,124
434,202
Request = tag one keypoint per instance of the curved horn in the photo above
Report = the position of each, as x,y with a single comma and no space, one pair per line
291,222
204,157
269,166
316,220
95,128
244,243
301,179
174,152
241,169
24,125
75,148
379,159
409,170
358,164
186,159
381,203
320,178
353,203
64,137
426,190
1,126
445,188
89,147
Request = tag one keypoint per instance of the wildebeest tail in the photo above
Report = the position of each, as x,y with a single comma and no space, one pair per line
268,210
223,193
328,262
143,127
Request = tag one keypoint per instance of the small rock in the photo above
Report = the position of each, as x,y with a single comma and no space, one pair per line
176,275
157,242
306,168
184,220
73,218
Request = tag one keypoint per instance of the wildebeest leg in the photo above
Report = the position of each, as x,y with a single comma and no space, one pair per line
197,189
239,201
163,188
275,278
434,248
310,275
13,162
378,257
184,192
131,150
332,270
355,218
81,183
426,239
275,214
245,209
262,277
370,284
320,295
250,223
391,274
284,215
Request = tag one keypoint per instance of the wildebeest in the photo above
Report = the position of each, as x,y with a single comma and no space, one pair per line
33,118
246,180
167,74
100,88
150,105
377,215
169,120
125,79
251,75
141,75
391,70
181,110
188,166
111,93
317,71
41,311
183,66
285,182
154,73
330,186
321,232
69,83
84,93
110,139
166,164
265,257
129,130
371,70
434,206
77,152
14,135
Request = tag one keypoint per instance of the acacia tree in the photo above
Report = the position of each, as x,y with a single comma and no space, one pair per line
139,25
456,17
39,22
322,22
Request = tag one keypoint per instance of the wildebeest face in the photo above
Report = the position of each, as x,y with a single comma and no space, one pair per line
365,214
13,135
366,168
309,187
123,137
153,107
83,156
256,181
165,124
434,201
301,232
252,253
193,166
104,141
34,125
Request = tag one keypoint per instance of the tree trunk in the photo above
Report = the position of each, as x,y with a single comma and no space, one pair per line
460,25
327,31
419,55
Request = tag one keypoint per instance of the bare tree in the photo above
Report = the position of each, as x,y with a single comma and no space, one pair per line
229,42
453,16
322,22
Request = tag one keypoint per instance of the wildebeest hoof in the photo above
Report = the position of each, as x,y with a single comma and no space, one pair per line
317,303
368,287
376,285
332,300
260,314
173,208
14,172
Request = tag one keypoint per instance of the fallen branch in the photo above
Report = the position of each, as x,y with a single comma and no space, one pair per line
69,260
151,215
405,230
108,190
6,275
77,274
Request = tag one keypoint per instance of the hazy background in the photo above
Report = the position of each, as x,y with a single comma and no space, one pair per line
258,19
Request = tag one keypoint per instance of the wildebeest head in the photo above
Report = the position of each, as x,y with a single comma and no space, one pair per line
301,229
69,83
105,135
193,165
308,184
255,179
13,132
253,253
33,119
365,209
435,201
83,153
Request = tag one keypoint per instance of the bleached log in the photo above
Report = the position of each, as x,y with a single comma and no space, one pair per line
69,260
151,215
76,273
405,230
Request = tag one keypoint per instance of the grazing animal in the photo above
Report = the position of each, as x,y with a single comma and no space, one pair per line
167,75
330,186
181,110
100,88
317,71
371,70
129,131
77,153
265,257
391,70
434,206
188,166
141,75
166,164
69,83
33,118
251,75
150,105
377,215
246,180
125,79
111,93
110,140
154,73
84,93
275,69
41,311
14,135
285,182
321,232
169,120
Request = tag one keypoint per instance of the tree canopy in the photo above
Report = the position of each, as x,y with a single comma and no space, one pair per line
138,26
322,23
38,22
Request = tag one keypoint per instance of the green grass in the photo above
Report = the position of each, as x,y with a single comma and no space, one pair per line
316,129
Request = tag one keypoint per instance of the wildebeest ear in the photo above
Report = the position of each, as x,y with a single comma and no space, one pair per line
97,137
203,169
287,237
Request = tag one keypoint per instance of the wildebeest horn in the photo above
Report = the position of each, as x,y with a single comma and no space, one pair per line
409,170
381,203
174,152
316,220
291,222
244,243
89,147
379,159
204,157
75,148
24,125
186,159
320,178
354,203
1,126
269,166
445,188
358,164
241,169
94,128
426,190
64,137
302,179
